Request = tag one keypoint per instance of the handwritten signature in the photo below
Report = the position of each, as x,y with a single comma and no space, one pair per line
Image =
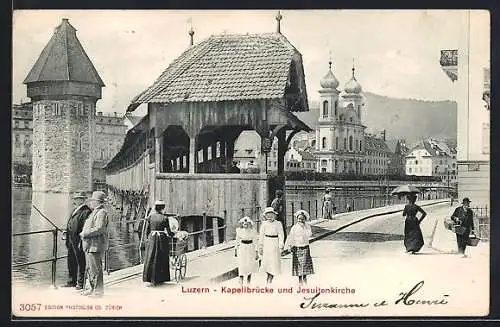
405,298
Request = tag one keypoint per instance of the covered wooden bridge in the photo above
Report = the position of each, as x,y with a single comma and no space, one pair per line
182,151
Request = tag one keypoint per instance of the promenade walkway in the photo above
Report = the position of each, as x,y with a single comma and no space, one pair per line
126,295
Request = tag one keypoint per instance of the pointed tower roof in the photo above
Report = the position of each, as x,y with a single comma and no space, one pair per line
63,59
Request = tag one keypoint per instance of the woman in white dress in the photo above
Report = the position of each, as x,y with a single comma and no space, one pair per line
298,243
246,249
271,242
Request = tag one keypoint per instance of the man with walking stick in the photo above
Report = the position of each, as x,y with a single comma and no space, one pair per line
95,242
76,256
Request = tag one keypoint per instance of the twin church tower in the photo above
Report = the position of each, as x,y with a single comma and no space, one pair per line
340,134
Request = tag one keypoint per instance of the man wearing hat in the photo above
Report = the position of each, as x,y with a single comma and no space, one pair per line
95,242
463,216
76,256
278,205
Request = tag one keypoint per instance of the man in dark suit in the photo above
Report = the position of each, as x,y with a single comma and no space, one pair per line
463,216
76,256
278,205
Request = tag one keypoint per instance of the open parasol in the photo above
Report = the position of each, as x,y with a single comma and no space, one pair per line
404,190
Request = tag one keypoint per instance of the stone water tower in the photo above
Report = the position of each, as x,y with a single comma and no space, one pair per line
64,87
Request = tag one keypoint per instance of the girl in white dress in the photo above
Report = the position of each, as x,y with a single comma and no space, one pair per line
298,243
271,242
246,249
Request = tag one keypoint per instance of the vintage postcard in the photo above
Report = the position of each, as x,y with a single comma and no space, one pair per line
252,163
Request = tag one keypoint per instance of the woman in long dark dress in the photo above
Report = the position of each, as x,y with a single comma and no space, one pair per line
157,256
414,239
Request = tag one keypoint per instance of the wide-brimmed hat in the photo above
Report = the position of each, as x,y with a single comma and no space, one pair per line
270,210
79,195
302,212
159,203
98,196
466,200
245,219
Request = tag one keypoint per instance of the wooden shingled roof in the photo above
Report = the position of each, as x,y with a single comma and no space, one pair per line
64,59
228,68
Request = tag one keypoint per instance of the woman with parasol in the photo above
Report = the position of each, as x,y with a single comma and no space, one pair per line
413,239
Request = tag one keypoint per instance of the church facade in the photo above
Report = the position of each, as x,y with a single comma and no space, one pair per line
339,146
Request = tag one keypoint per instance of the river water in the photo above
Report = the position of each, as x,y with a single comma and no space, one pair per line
40,246
124,248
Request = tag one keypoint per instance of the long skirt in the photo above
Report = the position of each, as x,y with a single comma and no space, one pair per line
301,261
271,256
156,259
327,210
247,263
414,239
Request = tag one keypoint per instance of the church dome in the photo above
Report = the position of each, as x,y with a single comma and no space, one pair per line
329,81
352,86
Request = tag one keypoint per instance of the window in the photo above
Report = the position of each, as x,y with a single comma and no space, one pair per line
350,119
359,110
350,143
345,143
16,124
325,109
323,143
323,162
416,162
18,141
26,124
336,105
336,142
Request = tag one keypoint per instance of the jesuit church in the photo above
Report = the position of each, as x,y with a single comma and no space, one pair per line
339,146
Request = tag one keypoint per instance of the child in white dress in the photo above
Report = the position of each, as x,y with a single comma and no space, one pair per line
246,249
271,242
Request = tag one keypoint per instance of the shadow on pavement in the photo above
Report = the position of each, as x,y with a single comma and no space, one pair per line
365,237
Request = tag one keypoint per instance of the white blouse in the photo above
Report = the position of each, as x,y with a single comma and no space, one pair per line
299,235
271,229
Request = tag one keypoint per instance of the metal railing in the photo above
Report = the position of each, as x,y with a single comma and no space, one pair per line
481,216
54,257
199,237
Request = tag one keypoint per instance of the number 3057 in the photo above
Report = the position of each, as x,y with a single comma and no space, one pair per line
29,306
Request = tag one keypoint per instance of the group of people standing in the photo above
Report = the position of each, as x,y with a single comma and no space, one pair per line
266,247
462,217
86,238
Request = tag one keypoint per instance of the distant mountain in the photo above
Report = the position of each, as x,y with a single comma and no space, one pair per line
407,119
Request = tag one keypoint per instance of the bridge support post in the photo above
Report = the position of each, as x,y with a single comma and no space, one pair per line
215,225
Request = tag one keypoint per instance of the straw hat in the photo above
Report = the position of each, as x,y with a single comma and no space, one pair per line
302,212
159,203
79,195
270,210
245,219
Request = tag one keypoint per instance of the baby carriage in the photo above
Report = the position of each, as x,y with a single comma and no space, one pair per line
178,258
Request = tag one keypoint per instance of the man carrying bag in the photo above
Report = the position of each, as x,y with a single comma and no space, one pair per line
464,225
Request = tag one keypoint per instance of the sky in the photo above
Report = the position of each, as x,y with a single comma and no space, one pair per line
395,53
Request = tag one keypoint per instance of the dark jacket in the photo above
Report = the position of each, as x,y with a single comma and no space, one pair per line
463,218
76,221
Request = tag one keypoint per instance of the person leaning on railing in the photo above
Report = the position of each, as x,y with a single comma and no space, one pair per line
76,255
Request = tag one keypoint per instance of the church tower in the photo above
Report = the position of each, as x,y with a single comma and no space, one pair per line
64,87
328,116
340,132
